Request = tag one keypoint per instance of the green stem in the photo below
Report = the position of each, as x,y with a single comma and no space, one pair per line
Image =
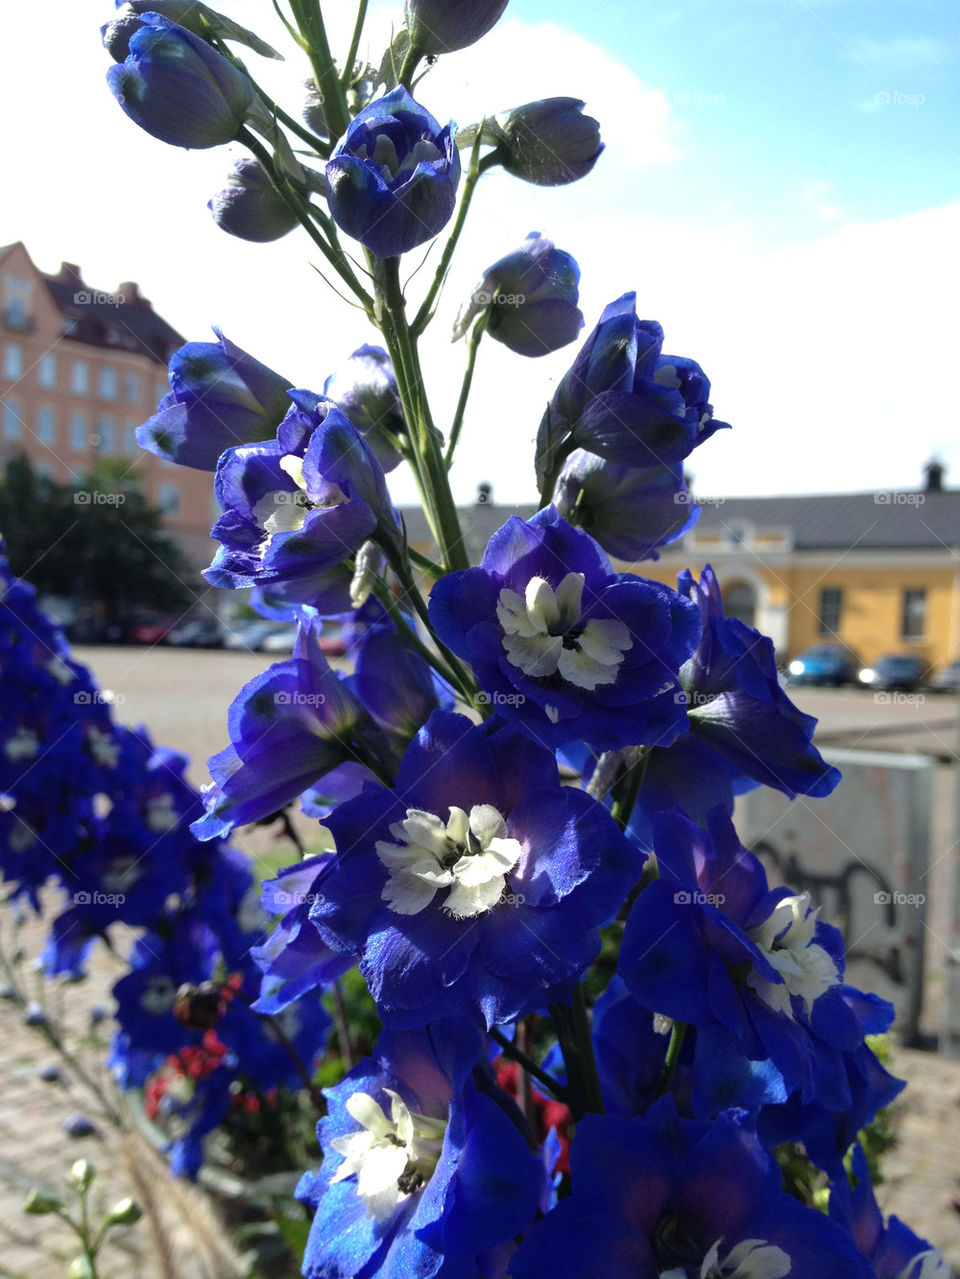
346,76
425,313
425,562
409,65
303,210
446,665
572,1025
530,1066
309,19
627,789
677,1034
473,345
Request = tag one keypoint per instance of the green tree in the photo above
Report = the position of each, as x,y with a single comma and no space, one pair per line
100,544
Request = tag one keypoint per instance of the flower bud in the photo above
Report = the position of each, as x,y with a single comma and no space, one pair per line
178,88
392,178
249,205
190,14
82,1174
79,1126
531,297
123,1213
312,111
39,1202
440,26
366,390
550,142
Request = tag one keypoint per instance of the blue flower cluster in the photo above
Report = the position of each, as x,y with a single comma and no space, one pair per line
95,807
536,756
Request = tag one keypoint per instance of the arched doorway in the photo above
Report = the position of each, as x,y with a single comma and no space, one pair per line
740,601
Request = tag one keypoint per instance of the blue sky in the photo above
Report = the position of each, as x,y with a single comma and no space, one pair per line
780,187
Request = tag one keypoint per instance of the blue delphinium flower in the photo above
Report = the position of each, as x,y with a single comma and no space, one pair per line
631,511
478,884
220,397
365,387
289,726
624,400
294,508
737,705
179,88
424,1172
530,297
565,645
392,178
891,1247
659,1197
752,968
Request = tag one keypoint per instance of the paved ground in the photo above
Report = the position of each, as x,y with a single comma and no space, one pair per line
182,697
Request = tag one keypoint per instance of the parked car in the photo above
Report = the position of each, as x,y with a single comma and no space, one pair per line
825,664
199,632
895,670
149,632
947,678
331,641
250,634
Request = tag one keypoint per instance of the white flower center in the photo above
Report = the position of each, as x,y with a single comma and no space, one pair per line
159,996
24,744
161,815
543,634
786,939
283,511
469,855
387,161
750,1259
123,874
104,748
390,1158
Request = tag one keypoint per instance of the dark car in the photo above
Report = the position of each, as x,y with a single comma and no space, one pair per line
895,670
825,664
947,678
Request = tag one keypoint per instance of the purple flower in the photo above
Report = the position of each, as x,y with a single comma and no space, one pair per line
530,297
366,389
550,142
660,1196
392,178
478,884
426,1170
220,397
625,401
179,88
563,644
441,26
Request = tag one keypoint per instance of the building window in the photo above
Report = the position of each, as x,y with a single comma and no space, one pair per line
740,601
13,361
12,411
17,294
169,498
80,380
913,620
831,606
105,439
46,425
107,383
79,432
47,371
133,387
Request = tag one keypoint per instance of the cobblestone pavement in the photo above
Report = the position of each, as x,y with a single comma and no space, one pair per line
182,697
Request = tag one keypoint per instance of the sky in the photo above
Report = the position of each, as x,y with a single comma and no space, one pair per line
780,187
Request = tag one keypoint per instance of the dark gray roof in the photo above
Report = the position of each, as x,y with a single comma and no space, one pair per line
130,325
479,522
891,519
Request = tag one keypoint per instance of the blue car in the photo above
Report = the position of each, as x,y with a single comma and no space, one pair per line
833,664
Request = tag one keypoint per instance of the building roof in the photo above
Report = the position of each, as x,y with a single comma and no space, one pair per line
891,519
